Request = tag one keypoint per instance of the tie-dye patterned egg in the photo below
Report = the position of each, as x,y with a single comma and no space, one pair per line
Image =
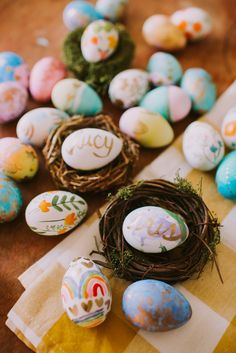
112,10
155,306
203,146
78,14
13,100
13,68
226,176
228,129
10,199
128,88
35,126
86,293
164,69
55,212
198,84
76,97
18,161
99,41
194,22
152,229
169,101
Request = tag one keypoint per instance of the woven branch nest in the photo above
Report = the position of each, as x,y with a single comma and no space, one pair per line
115,174
178,264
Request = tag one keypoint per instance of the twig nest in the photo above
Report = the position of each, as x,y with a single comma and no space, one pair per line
114,174
171,266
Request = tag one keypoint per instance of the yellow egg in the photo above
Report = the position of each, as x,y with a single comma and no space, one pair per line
18,161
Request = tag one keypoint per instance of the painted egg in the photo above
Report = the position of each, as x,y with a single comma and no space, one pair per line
226,176
128,87
149,129
86,293
18,161
228,128
44,75
10,199
159,32
155,306
99,41
76,97
152,229
194,22
164,69
55,212
170,101
197,83
112,10
203,146
35,126
13,100
89,149
13,68
79,14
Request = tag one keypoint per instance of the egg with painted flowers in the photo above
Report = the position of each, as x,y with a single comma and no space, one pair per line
10,199
228,128
226,176
99,41
112,10
86,293
13,68
55,212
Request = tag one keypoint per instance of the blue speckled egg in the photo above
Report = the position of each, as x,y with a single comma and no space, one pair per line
79,14
226,176
10,199
13,68
198,84
164,69
155,306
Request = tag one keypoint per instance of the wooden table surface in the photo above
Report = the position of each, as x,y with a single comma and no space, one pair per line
22,22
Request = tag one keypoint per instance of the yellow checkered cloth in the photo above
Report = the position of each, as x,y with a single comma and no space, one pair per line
38,318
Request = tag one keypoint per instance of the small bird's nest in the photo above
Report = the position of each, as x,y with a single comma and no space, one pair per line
175,265
115,174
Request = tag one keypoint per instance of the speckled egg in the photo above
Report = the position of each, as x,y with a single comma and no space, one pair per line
35,126
79,14
198,84
169,101
194,22
159,32
55,212
86,293
155,306
13,100
10,199
99,41
226,176
203,146
164,69
149,129
128,87
18,161
76,97
13,68
228,128
112,10
44,75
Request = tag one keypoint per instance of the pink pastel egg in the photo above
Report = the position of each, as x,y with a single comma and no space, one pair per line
179,103
44,75
13,100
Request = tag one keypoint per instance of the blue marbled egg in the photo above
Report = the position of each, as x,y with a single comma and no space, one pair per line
198,84
79,14
164,69
155,306
226,176
10,199
13,68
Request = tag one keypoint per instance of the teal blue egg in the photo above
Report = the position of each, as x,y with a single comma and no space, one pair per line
198,84
164,69
226,177
10,199
13,68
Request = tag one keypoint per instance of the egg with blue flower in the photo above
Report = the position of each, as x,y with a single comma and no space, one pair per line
13,68
226,176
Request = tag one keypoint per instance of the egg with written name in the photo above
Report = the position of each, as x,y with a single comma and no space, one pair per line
226,176
79,14
13,68
228,128
112,10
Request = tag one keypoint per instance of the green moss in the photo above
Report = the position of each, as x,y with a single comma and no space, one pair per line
185,185
126,192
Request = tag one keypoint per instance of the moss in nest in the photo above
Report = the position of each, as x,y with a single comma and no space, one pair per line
119,267
125,192
185,185
98,75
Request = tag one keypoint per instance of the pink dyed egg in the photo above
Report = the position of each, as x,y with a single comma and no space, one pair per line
44,75
13,100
